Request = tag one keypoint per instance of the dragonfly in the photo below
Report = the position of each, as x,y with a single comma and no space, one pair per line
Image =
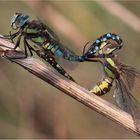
125,79
46,43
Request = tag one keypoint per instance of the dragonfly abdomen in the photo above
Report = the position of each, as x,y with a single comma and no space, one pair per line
57,50
54,48
102,87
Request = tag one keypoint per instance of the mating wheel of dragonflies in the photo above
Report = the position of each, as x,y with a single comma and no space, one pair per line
47,45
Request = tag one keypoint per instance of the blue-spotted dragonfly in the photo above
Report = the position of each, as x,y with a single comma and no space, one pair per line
125,78
46,42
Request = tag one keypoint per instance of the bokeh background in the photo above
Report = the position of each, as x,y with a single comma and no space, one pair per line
31,108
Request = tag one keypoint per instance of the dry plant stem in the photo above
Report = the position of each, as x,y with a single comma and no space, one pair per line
72,89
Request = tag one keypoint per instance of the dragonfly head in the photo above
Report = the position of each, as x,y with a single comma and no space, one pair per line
104,45
18,20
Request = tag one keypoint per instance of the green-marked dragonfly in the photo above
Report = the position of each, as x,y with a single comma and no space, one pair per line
126,79
47,44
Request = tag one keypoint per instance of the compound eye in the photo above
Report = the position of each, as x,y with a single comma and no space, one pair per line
13,18
13,21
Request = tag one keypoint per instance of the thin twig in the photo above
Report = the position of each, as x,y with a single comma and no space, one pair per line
39,69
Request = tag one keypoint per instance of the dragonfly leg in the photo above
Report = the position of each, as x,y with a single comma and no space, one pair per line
18,42
25,48
14,50
10,36
30,48
17,45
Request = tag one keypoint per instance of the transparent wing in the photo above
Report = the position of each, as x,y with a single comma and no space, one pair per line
51,33
125,86
119,96
66,53
125,99
131,76
64,49
68,59
89,49
71,65
47,30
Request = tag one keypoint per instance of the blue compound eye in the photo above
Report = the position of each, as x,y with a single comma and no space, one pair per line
18,20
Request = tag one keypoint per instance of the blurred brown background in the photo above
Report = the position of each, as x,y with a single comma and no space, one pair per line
31,108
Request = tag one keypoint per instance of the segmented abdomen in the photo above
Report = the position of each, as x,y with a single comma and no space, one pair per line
102,87
54,49
54,64
60,51
49,57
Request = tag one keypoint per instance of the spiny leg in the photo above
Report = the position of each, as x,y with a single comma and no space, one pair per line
10,36
18,42
14,50
26,45
30,48
13,36
25,49
17,45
